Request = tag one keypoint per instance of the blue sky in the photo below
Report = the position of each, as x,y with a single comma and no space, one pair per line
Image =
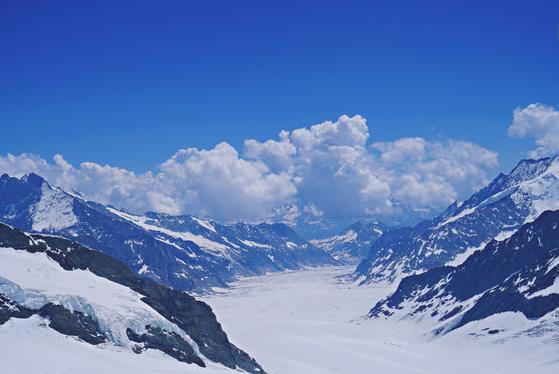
130,83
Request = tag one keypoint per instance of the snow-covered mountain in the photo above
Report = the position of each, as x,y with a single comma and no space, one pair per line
495,211
183,252
94,299
353,243
510,287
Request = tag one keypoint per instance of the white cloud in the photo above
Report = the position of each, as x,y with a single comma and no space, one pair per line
325,171
401,150
426,174
540,122
218,183
339,176
276,154
215,183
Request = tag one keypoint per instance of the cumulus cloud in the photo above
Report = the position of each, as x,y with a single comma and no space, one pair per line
339,175
539,122
325,171
425,174
218,183
214,183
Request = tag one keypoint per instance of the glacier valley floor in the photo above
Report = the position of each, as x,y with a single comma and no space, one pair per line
312,322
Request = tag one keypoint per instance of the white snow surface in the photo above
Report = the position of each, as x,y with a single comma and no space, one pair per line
539,193
455,218
311,322
543,191
53,211
33,280
461,257
201,241
329,243
205,224
28,346
554,288
250,243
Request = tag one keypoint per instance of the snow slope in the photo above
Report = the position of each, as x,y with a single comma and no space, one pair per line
33,280
63,289
53,352
513,282
311,322
53,211
494,212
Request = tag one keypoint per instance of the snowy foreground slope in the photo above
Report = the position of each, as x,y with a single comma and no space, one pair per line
183,252
29,347
353,244
314,322
494,212
72,299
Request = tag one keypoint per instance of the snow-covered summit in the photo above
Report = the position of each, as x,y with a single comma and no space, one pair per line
354,242
495,211
54,210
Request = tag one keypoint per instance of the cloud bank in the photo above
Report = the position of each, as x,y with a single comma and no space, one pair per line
329,170
539,122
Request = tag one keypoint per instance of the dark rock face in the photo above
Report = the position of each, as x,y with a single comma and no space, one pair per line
498,209
514,275
353,244
168,342
182,252
72,323
10,309
194,317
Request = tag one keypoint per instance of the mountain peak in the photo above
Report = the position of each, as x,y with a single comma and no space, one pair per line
33,179
30,180
494,212
354,242
530,168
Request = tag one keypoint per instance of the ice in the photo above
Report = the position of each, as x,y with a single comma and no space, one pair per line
312,322
28,346
33,280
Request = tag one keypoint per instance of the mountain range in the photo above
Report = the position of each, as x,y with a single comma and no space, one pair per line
183,252
494,212
490,262
514,281
353,244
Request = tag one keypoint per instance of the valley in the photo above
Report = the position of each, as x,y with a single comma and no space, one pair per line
312,321
311,187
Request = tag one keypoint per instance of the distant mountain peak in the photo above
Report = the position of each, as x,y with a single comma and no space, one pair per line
32,179
354,242
495,211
